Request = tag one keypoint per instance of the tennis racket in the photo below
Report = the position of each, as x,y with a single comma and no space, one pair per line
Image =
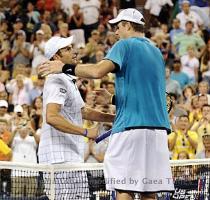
169,104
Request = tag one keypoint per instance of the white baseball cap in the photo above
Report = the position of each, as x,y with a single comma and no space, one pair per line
55,43
3,103
130,15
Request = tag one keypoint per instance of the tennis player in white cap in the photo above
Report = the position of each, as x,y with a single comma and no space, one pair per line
137,158
62,134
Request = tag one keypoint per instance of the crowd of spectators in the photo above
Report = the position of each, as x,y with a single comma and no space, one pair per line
183,38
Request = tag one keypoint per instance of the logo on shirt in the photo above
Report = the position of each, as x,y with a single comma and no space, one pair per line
63,90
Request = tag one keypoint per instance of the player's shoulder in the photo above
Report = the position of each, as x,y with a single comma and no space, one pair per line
55,78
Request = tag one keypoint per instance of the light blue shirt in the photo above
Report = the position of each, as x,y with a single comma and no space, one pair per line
140,85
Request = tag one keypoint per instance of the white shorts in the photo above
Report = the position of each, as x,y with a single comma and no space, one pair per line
138,160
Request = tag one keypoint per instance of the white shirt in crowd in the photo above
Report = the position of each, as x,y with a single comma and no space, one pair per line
192,16
24,150
189,65
90,11
56,146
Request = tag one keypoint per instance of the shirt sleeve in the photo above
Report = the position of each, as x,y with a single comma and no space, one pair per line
200,42
117,53
56,91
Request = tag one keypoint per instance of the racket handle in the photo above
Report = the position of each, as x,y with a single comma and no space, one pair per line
103,136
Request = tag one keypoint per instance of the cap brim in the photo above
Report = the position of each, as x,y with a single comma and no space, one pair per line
114,21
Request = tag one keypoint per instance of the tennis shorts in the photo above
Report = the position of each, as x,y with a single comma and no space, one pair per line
138,160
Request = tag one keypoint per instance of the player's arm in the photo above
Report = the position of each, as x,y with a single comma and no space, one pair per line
94,115
97,70
56,120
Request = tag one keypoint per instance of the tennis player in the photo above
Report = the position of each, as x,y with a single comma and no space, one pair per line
137,158
62,133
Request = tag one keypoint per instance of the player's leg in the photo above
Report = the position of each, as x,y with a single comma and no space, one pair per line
148,196
124,195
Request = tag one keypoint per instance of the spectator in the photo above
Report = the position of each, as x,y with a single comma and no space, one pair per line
206,143
20,93
181,77
37,50
205,61
5,136
17,26
4,28
45,19
47,31
91,46
36,113
13,13
175,29
5,155
20,49
195,111
187,15
102,31
63,30
172,86
76,20
37,89
24,149
110,40
33,17
58,13
18,118
190,64
3,111
183,155
183,139
202,126
202,100
187,38
187,93
90,11
4,50
203,89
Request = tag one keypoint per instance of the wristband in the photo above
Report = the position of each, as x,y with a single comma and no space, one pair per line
85,133
69,69
113,99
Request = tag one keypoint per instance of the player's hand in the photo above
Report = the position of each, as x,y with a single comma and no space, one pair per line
102,97
93,132
50,67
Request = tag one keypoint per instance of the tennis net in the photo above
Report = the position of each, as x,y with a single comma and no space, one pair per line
86,181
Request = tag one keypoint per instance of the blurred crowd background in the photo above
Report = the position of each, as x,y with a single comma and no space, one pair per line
179,28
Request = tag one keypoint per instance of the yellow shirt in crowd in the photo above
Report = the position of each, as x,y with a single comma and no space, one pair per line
4,149
182,144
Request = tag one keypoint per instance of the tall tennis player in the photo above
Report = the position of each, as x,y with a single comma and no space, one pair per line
137,158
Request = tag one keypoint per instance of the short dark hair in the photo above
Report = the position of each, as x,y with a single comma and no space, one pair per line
136,27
